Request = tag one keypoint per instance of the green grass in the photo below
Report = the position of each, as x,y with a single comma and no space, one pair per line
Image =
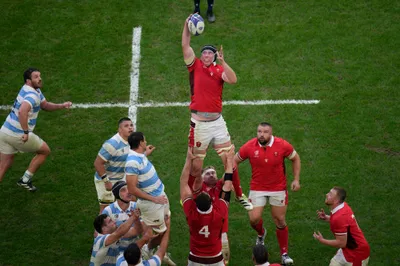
344,53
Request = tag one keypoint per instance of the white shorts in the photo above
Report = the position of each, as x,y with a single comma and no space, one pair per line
340,260
274,198
153,214
204,133
104,196
11,144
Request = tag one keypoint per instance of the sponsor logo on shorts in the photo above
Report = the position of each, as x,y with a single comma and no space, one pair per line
198,144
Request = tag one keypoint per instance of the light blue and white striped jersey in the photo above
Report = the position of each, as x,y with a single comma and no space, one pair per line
148,180
102,255
114,151
27,94
120,216
153,261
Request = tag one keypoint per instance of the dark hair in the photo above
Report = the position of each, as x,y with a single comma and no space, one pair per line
341,193
134,139
123,119
260,254
265,124
98,222
203,202
132,254
28,73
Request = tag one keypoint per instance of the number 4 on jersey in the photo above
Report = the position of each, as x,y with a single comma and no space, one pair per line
204,231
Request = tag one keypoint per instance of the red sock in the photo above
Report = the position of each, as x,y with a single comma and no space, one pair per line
259,227
283,238
236,183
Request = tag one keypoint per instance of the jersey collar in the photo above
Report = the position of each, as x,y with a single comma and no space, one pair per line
207,211
340,206
122,139
269,144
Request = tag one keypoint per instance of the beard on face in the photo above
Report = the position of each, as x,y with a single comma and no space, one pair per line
262,142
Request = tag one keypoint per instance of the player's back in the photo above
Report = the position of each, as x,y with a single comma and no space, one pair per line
206,228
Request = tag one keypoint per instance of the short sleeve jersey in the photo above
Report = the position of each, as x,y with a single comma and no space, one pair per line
343,221
34,98
206,85
267,163
102,254
148,180
114,152
205,227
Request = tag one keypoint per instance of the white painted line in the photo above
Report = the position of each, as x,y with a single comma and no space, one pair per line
177,104
134,91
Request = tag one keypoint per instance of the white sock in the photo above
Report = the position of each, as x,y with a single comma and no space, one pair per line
27,176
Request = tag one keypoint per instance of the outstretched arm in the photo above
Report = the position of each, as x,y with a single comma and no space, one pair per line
188,53
49,106
226,189
184,179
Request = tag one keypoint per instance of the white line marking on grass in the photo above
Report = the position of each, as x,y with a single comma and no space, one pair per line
134,91
177,104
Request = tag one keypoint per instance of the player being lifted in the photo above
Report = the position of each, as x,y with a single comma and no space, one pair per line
207,126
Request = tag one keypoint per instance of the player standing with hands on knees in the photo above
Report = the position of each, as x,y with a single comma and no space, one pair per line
266,154
16,134
353,247
207,126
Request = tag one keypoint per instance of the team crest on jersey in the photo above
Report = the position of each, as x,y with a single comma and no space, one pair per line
276,154
266,160
115,216
198,144
256,154
211,74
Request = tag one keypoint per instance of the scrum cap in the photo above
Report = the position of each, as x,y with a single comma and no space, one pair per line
212,49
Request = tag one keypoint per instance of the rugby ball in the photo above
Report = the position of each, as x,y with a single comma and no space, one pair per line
196,24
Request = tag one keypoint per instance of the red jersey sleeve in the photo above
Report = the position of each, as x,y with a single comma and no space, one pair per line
192,66
188,206
287,148
339,225
222,207
243,152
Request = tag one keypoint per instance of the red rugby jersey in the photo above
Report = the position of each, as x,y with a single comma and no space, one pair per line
267,163
206,85
343,221
205,228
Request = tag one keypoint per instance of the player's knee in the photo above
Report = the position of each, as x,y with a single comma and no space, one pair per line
254,220
223,150
44,149
280,222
